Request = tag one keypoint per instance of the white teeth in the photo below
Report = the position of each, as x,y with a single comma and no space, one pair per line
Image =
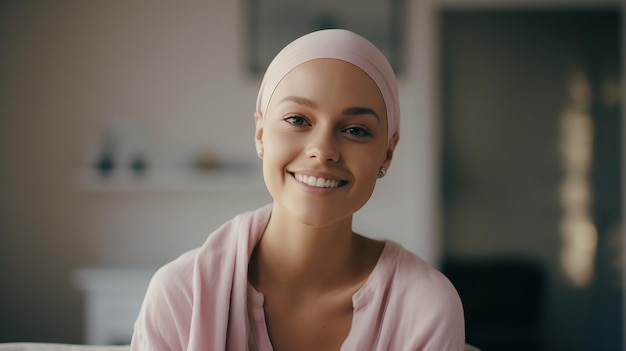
317,182
320,182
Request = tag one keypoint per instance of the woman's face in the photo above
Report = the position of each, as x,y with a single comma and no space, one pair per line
324,137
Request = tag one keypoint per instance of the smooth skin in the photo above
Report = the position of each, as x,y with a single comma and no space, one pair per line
325,119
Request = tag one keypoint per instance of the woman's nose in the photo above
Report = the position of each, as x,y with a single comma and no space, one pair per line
323,146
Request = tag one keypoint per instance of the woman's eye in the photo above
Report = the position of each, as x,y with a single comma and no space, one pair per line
297,121
357,131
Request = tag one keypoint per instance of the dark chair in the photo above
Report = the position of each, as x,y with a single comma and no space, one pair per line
502,299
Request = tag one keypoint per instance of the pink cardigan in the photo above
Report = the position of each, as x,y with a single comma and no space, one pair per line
202,300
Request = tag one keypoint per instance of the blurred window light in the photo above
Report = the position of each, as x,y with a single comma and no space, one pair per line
579,236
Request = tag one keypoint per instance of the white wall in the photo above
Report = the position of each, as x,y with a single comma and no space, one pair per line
68,68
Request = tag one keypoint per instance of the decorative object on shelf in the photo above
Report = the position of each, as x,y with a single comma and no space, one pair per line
207,161
138,164
124,146
105,163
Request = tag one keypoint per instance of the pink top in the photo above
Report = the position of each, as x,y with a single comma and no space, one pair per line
202,300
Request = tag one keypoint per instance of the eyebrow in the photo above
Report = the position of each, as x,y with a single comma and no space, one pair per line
361,111
299,100
347,111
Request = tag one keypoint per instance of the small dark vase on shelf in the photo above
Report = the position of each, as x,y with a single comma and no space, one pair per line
138,165
106,162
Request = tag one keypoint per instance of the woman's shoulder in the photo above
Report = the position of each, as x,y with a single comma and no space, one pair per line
404,262
174,279
411,277
217,253
414,303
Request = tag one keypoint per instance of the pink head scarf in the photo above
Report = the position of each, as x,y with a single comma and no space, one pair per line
335,44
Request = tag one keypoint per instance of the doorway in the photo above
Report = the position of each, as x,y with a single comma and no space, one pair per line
531,175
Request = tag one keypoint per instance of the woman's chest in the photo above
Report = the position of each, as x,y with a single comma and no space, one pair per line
320,324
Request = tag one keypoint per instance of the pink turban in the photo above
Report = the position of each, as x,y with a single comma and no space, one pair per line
335,44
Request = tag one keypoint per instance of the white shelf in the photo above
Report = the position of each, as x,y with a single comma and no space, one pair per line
234,181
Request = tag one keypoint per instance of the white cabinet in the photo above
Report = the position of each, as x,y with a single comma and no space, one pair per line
113,298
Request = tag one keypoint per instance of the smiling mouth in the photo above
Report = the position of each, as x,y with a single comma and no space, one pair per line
318,182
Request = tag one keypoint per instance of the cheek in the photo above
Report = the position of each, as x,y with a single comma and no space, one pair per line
368,161
273,174
370,170
279,151
278,145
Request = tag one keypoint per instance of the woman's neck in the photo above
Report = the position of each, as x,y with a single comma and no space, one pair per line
301,258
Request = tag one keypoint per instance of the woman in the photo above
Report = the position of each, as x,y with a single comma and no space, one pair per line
293,275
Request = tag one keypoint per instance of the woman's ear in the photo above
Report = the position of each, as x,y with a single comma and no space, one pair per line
390,149
258,132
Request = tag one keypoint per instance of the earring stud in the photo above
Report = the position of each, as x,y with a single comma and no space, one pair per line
381,172
260,152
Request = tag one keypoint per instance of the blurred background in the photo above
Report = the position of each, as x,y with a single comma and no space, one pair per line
126,137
